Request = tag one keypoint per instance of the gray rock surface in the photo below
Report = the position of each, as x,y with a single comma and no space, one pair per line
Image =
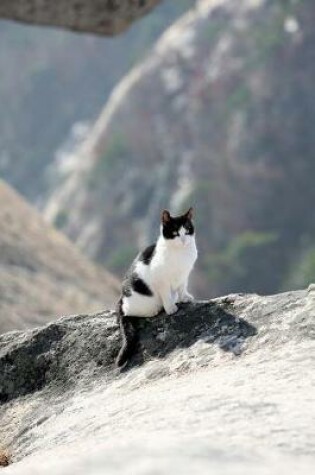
223,385
105,17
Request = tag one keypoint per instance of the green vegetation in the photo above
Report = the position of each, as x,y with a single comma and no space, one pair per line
239,98
302,272
119,260
230,260
269,33
115,155
214,28
116,152
61,219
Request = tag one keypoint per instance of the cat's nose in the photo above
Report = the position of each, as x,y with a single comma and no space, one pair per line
183,239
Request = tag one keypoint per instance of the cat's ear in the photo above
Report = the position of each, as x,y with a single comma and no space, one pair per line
165,216
190,213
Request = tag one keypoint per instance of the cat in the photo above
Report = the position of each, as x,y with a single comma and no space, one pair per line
157,278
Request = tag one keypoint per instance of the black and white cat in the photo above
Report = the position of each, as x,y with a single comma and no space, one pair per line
158,277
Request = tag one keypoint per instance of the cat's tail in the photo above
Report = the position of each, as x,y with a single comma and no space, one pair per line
129,336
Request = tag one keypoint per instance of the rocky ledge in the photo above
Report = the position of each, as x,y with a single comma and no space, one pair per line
105,17
228,379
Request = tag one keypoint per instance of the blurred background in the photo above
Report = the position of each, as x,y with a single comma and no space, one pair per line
207,103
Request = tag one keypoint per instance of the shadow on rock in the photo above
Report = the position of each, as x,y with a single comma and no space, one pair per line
83,348
209,321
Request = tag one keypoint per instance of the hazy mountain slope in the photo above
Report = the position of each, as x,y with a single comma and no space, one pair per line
219,116
42,275
52,79
223,387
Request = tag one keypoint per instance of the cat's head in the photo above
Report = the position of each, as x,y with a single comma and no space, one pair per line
177,230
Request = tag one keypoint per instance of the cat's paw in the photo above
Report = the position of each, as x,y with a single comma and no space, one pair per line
171,309
187,298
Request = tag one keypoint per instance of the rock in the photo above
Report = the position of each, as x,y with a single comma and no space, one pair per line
4,458
65,408
311,288
42,274
106,17
42,357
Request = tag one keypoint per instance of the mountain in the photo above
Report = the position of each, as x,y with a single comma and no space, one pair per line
218,116
223,386
42,274
54,82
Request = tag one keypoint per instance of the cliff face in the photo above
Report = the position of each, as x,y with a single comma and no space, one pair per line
42,275
219,116
223,386
102,17
63,79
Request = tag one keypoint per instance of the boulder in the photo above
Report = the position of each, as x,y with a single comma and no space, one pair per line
223,385
106,17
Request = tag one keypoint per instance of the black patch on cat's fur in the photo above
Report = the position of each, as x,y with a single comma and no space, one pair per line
133,282
138,285
174,224
147,254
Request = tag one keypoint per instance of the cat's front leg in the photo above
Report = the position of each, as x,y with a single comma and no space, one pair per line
184,295
168,299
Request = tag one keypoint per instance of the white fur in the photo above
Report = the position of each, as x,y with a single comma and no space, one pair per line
166,275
